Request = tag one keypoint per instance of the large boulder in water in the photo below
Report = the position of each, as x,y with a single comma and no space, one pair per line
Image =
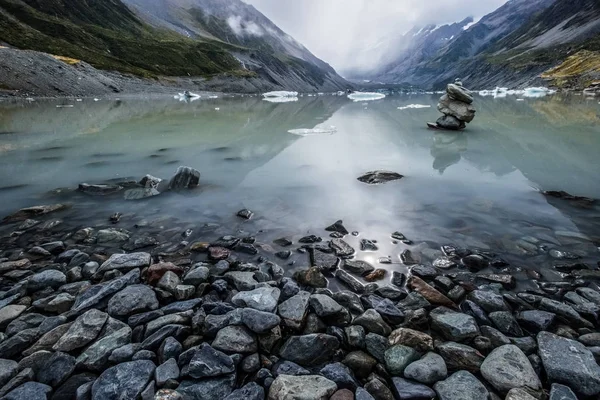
450,122
185,178
459,93
462,111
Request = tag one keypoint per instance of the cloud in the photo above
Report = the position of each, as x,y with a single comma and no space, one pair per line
336,30
244,28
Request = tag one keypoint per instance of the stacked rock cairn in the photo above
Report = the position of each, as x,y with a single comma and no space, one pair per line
457,107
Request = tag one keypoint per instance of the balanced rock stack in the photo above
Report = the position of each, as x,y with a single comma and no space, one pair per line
457,107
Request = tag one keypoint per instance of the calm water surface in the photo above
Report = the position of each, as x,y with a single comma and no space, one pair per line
478,189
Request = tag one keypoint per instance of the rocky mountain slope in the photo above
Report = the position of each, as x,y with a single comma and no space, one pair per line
513,46
152,38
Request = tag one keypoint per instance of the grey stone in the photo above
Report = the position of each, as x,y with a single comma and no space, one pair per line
208,362
8,369
461,385
14,345
428,370
569,362
167,370
309,350
56,369
535,321
9,313
459,356
450,122
507,367
184,178
132,300
506,323
341,375
561,392
362,394
207,389
488,300
124,353
235,339
377,345
95,357
289,368
29,391
123,381
340,248
462,111
169,281
111,235
258,321
125,262
48,278
324,306
85,329
261,299
242,280
312,387
453,325
351,282
252,391
97,293
371,320
519,394
196,276
398,357
355,336
358,267
459,93
408,390
293,310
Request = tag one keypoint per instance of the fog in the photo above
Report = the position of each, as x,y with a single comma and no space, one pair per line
338,30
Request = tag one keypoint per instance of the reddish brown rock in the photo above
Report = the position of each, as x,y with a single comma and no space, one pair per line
156,271
376,275
430,293
343,394
218,253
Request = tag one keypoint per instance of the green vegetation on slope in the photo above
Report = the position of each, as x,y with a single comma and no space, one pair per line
108,36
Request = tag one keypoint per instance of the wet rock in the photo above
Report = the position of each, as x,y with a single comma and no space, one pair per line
309,350
518,394
311,277
488,300
125,262
245,214
507,367
474,262
454,325
569,362
360,363
132,300
208,362
169,281
235,339
565,311
32,212
561,392
126,380
450,122
341,248
430,293
217,253
294,309
398,357
405,389
289,368
261,299
351,282
140,193
48,278
376,275
166,371
372,321
199,274
252,391
95,357
324,306
85,329
338,227
8,369
259,321
419,341
459,93
324,261
9,313
29,391
462,385
342,394
56,369
185,178
535,321
377,345
378,177
207,389
506,323
428,370
312,387
156,271
462,111
68,390
379,390
242,280
368,245
459,356
341,375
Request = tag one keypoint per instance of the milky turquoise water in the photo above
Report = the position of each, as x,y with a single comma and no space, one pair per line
479,188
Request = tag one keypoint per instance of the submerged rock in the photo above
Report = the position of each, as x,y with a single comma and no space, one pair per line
185,178
450,122
377,177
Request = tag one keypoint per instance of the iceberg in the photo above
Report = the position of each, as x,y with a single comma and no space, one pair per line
280,93
187,96
537,92
414,106
280,99
366,96
316,131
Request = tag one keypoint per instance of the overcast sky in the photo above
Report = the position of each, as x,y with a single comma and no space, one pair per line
334,29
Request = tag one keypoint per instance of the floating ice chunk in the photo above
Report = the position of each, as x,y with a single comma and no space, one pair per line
414,106
65,106
217,109
366,96
281,93
316,131
341,93
537,92
280,99
520,99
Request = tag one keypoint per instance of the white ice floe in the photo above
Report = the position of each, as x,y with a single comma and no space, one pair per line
328,130
520,99
537,92
281,93
414,106
280,99
65,106
366,96
341,93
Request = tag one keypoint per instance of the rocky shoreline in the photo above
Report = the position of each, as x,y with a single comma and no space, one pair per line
98,312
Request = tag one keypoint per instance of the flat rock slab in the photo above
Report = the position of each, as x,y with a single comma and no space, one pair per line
379,177
312,387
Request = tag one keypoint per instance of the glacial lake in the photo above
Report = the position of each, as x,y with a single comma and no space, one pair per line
478,189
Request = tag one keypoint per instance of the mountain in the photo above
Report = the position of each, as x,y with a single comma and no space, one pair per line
151,38
512,46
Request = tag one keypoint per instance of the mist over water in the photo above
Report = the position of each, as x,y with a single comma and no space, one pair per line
478,189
